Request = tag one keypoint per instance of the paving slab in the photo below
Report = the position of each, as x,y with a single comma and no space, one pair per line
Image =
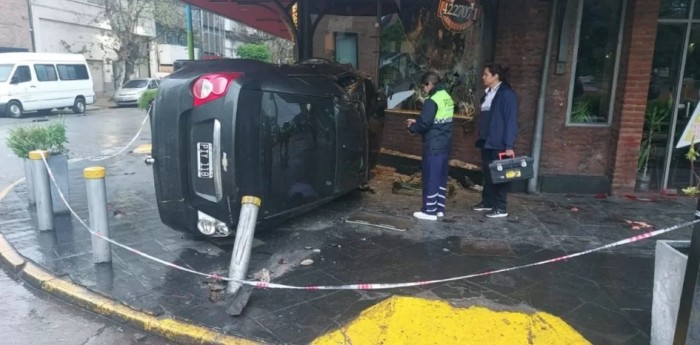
605,296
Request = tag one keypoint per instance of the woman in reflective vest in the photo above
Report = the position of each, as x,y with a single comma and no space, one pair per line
435,126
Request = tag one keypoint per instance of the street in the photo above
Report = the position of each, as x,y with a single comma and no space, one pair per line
30,317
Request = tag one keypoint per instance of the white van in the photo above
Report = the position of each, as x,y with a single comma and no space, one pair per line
44,81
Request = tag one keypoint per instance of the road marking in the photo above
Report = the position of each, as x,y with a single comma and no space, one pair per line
7,189
410,320
143,149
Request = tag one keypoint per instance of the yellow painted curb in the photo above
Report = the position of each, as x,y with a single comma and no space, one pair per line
9,256
143,149
35,275
7,189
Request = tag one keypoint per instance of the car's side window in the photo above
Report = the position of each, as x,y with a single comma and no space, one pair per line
45,72
22,74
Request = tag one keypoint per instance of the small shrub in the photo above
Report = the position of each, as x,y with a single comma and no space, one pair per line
147,98
52,138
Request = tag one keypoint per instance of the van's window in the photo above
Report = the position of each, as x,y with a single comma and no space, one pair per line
23,74
45,72
72,72
5,71
135,84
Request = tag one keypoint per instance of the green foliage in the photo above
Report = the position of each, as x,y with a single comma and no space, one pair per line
654,118
581,112
254,51
147,98
52,138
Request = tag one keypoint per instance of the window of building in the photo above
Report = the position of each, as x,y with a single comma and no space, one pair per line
597,52
23,74
346,48
72,72
45,72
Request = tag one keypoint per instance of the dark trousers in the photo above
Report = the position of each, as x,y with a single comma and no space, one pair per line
434,169
494,194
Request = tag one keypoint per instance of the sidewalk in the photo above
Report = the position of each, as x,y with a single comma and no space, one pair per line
605,296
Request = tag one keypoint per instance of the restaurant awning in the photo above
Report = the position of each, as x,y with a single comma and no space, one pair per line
274,16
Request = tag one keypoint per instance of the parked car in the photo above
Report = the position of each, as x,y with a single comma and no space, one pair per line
296,136
131,91
41,82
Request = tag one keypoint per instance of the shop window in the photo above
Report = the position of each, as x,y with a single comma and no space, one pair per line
346,48
597,53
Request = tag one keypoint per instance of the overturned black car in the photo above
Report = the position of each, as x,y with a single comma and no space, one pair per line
296,136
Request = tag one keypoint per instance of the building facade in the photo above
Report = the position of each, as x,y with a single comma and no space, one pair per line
15,29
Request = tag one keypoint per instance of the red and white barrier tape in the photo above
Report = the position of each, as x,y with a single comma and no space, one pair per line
370,286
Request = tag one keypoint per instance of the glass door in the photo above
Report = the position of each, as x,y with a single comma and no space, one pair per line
674,90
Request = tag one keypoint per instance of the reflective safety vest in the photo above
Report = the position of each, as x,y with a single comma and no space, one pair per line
445,106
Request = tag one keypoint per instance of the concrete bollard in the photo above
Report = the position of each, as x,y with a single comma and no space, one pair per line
42,189
97,207
244,242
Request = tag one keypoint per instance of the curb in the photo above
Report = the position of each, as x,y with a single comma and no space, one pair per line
166,327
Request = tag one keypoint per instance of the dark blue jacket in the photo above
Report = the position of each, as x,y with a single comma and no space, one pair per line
499,126
437,137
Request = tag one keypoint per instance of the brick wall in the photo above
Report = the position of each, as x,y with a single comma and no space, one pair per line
14,25
635,66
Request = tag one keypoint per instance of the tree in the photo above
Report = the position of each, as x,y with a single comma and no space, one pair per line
130,22
254,51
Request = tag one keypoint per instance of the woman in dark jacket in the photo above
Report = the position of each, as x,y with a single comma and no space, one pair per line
498,126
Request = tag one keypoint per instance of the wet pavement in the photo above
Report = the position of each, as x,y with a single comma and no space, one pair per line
605,296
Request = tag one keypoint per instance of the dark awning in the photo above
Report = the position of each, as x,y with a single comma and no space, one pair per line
267,15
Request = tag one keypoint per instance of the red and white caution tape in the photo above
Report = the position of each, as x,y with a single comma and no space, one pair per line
371,286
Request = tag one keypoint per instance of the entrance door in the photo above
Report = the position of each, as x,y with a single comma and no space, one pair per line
673,95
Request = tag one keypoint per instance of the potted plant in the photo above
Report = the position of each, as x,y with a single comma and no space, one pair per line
654,117
52,138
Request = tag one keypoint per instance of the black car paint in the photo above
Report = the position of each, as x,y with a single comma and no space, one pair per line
297,136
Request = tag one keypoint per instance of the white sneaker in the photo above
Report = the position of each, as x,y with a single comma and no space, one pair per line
440,214
424,216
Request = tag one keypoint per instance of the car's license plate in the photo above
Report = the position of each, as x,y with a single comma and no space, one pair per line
204,160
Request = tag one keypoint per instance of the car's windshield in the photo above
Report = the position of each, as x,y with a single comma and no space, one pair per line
5,71
135,84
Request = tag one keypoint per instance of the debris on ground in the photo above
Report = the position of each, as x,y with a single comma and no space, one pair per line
307,262
573,209
601,196
138,337
637,225
262,276
633,197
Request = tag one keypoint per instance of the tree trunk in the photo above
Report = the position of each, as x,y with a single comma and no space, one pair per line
128,70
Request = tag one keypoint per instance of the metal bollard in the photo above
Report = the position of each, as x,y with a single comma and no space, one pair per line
97,207
42,189
244,242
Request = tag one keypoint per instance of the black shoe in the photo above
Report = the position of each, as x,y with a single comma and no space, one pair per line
480,207
496,213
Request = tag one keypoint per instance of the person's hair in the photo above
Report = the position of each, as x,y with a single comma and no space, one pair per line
502,72
430,77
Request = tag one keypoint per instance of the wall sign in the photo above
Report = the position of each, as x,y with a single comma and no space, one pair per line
458,15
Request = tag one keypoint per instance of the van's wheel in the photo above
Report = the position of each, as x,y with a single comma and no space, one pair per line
14,109
79,106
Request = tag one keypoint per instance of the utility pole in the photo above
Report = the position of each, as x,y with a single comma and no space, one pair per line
190,36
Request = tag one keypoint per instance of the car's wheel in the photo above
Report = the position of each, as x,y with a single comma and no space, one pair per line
79,106
14,109
44,112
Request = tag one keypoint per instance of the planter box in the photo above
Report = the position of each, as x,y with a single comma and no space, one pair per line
59,167
669,273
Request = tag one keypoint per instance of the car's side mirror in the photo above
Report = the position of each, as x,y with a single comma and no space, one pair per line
14,80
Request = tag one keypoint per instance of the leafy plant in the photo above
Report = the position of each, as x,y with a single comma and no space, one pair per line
147,98
581,112
692,155
654,118
52,138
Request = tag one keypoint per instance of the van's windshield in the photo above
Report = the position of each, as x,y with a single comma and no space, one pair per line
135,84
5,71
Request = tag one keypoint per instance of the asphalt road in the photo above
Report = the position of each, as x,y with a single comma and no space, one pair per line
30,317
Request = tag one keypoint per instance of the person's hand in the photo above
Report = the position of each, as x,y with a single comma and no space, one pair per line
409,122
509,153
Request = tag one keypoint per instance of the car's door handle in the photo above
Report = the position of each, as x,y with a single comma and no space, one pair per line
32,86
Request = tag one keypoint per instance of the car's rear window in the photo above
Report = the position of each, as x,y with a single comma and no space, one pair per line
135,84
5,71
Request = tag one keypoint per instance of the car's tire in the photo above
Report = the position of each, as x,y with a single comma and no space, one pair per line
14,109
44,112
79,106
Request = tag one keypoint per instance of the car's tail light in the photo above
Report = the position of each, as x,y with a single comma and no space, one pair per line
212,86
